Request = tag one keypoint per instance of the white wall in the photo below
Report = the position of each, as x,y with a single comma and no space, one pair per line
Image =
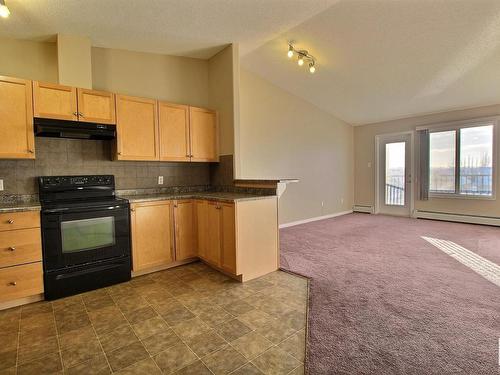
281,135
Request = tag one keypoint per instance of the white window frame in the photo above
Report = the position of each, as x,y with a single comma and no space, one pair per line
457,125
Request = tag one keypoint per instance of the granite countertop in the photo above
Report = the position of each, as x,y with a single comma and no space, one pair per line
19,207
216,196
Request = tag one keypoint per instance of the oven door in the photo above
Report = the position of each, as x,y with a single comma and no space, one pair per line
78,236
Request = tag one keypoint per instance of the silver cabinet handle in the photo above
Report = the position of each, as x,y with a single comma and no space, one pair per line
75,113
10,221
13,283
31,151
80,114
12,248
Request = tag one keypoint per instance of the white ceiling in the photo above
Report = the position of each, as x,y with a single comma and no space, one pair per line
194,28
386,59
377,59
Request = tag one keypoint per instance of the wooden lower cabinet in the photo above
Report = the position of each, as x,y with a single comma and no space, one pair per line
201,222
213,254
240,239
185,229
20,246
151,227
228,238
221,245
21,273
21,281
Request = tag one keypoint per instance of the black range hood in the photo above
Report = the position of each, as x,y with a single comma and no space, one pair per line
72,129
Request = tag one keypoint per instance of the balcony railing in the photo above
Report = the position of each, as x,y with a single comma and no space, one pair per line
395,190
470,184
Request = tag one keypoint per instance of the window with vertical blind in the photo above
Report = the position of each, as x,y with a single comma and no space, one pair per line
462,160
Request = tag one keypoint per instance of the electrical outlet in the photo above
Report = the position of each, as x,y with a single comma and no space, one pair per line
160,180
369,164
322,204
1,185
342,200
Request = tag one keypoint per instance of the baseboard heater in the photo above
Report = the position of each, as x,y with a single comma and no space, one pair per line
471,219
362,208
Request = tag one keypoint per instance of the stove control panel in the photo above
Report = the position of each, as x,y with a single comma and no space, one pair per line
73,181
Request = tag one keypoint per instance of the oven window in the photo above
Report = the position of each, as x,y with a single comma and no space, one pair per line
87,234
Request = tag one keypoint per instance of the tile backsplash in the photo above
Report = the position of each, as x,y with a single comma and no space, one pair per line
57,156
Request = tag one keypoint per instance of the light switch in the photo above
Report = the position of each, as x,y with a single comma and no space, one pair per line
1,185
160,180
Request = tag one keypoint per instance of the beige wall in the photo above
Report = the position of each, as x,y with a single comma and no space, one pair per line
221,94
176,79
364,137
29,60
74,61
281,135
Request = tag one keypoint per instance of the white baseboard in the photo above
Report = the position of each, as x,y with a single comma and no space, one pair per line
471,219
293,223
363,208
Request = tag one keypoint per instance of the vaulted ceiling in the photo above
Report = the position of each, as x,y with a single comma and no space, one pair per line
377,59
193,28
386,59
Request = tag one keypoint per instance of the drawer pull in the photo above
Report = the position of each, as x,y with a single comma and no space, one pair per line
13,283
10,221
12,248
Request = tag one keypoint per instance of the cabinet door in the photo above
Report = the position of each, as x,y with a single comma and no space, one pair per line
96,106
16,119
54,101
201,228
213,233
137,128
151,235
204,135
228,238
174,132
185,234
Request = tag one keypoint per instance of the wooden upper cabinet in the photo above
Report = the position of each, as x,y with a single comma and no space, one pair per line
55,101
151,234
16,119
174,132
228,238
137,128
185,229
96,106
204,135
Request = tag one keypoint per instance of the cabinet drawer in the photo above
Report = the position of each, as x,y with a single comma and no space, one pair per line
21,281
19,220
20,246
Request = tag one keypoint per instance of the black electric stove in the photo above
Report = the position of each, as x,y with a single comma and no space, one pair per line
85,234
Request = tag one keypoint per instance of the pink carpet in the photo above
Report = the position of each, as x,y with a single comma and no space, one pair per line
385,301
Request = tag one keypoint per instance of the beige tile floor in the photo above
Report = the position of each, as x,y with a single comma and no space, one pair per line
186,320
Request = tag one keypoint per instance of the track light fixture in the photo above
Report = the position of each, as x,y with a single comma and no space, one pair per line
4,11
302,57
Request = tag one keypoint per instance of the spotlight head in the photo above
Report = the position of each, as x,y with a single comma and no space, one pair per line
4,11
